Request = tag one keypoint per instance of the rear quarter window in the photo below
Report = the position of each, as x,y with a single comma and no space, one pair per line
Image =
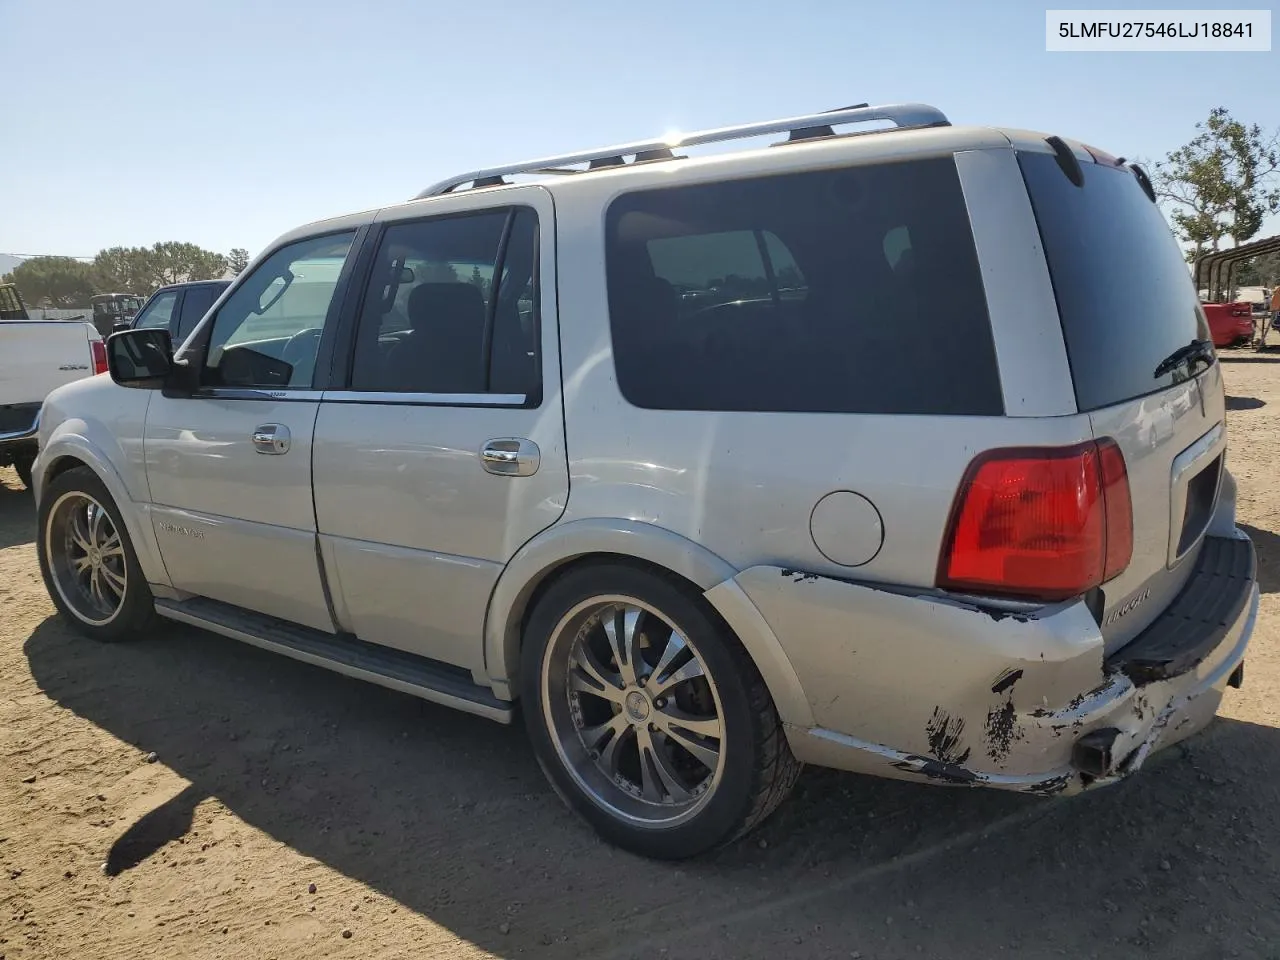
1125,295
853,290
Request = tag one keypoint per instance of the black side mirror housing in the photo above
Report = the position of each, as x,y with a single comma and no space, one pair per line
142,359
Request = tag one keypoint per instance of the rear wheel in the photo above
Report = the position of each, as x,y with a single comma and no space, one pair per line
87,561
648,716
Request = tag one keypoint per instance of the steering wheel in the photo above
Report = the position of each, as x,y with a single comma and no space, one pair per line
298,350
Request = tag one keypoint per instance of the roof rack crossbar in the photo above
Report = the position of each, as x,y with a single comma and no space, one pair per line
903,115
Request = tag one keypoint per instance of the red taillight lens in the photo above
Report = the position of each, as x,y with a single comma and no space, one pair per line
99,356
1044,523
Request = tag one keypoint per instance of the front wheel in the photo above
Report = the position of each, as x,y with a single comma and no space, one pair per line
87,561
647,715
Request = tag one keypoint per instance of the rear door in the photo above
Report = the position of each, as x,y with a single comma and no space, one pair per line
445,451
1126,302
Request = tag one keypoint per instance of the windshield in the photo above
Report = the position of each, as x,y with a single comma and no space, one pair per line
1124,291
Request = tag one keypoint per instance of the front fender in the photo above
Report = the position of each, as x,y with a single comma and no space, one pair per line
563,543
72,438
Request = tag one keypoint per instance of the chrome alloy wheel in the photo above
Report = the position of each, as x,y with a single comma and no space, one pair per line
86,558
633,711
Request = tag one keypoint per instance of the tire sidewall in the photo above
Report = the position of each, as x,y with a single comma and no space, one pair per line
139,604
721,817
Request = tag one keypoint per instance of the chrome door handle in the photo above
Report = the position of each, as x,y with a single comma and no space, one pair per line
511,457
271,438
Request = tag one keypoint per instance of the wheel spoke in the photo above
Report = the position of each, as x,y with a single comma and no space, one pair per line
607,756
587,675
78,528
658,776
689,671
95,524
709,757
620,628
95,588
81,564
701,726
675,647
111,547
114,581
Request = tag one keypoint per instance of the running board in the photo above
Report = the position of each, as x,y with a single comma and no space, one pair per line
418,676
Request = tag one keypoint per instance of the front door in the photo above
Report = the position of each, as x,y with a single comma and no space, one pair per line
230,467
445,452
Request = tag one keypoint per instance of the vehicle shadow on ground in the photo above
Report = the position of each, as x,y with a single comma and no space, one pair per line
1244,403
17,511
1267,544
450,816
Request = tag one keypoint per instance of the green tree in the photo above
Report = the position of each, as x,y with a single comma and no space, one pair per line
439,273
237,260
175,262
123,270
1221,183
53,281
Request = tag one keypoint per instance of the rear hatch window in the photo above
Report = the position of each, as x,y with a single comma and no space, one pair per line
1124,290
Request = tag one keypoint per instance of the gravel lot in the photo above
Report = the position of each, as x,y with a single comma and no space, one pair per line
188,796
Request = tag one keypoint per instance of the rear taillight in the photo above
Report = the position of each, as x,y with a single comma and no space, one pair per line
99,356
1045,524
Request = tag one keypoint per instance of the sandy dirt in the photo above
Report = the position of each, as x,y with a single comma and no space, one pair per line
188,796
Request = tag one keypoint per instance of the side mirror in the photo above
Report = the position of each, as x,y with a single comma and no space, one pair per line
140,358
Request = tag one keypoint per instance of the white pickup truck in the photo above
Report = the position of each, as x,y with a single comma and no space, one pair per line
37,356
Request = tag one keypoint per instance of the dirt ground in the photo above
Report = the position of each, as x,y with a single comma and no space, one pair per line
184,796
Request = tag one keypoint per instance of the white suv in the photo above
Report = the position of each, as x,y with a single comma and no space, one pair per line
900,451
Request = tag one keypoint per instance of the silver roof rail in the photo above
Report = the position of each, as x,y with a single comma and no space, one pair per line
904,115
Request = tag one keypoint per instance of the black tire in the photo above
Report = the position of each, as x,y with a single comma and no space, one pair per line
23,464
136,614
759,769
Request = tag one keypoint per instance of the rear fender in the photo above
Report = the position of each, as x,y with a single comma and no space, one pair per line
564,543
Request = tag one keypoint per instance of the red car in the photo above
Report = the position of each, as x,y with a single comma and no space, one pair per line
1230,324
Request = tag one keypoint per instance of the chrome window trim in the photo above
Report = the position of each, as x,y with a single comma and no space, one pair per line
257,393
427,399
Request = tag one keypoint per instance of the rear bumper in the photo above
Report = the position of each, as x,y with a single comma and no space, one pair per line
19,425
927,688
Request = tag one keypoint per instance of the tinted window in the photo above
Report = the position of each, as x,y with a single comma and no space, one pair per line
159,311
1124,291
195,304
434,320
267,333
853,290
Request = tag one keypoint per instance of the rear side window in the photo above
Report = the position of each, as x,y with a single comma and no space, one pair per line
1124,291
847,291
449,308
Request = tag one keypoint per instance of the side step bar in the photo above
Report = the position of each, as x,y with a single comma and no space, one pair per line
419,676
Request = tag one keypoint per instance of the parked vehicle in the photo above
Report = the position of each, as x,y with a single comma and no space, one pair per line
12,306
178,307
36,357
114,311
479,448
1230,324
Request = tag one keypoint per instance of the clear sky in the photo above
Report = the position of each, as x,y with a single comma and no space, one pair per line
226,123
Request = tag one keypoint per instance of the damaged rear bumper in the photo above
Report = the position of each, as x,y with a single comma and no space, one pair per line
933,689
